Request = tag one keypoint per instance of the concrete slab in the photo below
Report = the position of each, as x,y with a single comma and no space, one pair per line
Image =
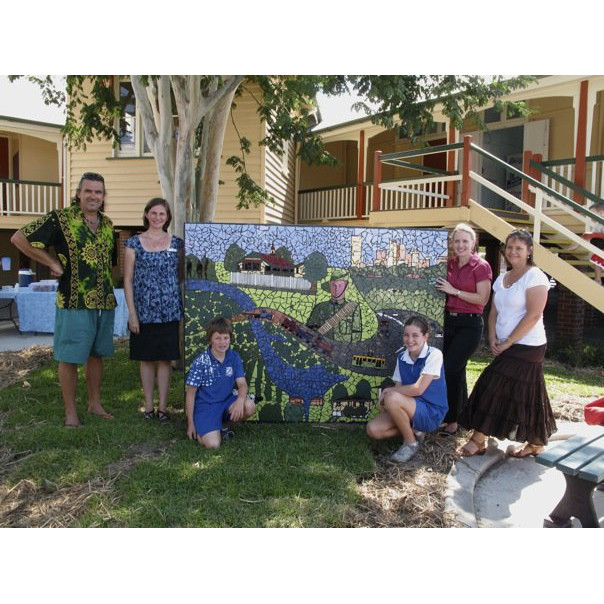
12,340
495,491
530,493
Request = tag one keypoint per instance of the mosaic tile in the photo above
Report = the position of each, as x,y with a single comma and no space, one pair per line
317,312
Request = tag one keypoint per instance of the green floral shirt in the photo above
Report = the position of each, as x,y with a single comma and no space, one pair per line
86,258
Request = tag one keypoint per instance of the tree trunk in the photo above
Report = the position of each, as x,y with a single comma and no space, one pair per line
200,171
217,122
175,162
183,179
155,105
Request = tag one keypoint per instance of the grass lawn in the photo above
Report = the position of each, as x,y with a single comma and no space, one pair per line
135,473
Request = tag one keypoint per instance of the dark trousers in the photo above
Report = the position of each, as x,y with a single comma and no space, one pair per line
462,337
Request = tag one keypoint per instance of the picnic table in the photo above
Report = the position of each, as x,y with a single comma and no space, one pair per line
581,460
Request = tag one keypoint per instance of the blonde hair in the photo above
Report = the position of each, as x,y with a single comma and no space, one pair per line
466,228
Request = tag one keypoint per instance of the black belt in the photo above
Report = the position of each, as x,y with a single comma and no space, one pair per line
464,314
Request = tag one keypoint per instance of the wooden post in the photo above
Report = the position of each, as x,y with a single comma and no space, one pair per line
451,186
361,176
466,184
526,168
377,180
536,174
580,153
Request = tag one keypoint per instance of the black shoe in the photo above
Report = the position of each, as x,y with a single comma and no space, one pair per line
150,414
163,417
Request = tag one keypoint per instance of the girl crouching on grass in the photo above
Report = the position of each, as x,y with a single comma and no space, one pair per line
418,400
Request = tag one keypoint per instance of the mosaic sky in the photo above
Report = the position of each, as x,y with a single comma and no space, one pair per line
335,243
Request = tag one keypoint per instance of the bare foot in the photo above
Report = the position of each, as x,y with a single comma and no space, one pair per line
72,423
98,410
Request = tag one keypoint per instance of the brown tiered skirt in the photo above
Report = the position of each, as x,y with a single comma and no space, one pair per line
509,399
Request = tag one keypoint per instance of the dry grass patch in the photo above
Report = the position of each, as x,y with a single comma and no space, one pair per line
15,366
27,505
408,495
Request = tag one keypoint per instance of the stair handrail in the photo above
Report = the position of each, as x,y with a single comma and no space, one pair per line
537,214
573,204
570,160
567,183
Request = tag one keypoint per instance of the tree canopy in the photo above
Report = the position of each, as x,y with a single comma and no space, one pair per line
185,116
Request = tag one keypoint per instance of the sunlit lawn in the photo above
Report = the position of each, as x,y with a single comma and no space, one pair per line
269,475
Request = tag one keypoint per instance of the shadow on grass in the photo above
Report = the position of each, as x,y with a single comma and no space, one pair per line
267,476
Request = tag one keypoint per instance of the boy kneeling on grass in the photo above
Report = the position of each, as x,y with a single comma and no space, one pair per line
210,401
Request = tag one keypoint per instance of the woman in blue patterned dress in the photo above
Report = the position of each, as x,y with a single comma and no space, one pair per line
153,264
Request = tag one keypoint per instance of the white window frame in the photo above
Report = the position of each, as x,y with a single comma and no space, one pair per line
139,133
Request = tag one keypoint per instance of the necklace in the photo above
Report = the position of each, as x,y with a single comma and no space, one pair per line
93,222
512,277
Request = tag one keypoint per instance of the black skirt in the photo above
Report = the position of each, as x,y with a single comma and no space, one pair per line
509,399
155,342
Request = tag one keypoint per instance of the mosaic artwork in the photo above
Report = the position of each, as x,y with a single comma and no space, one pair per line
317,312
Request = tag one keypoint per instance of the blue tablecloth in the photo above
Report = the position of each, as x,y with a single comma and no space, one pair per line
37,311
7,299
8,294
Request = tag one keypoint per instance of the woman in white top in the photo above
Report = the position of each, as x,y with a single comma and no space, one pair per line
510,400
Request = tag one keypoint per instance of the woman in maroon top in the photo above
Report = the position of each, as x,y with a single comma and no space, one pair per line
468,286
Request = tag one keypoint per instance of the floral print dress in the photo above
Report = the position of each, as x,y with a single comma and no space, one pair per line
155,282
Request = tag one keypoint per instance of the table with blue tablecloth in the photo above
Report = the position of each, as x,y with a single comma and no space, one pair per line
7,303
37,311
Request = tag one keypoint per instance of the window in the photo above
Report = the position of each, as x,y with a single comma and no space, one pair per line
130,127
492,116
434,128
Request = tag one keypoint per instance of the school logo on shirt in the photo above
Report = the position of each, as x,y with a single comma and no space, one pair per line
229,371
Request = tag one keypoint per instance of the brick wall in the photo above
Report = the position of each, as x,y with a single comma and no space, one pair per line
569,319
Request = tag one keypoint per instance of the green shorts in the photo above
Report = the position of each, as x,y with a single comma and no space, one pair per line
82,333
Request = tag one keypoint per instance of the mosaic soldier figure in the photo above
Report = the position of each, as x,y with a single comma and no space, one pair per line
84,242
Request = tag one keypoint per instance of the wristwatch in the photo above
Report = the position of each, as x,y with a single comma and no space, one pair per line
502,341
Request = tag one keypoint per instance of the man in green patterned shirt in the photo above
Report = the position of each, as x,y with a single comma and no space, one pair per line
84,243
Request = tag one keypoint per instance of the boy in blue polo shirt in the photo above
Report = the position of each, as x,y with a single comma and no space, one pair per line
210,402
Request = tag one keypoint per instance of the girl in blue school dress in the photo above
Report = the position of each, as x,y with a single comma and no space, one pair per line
418,400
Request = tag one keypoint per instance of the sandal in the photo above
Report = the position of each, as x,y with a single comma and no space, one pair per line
149,414
527,450
479,448
163,417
